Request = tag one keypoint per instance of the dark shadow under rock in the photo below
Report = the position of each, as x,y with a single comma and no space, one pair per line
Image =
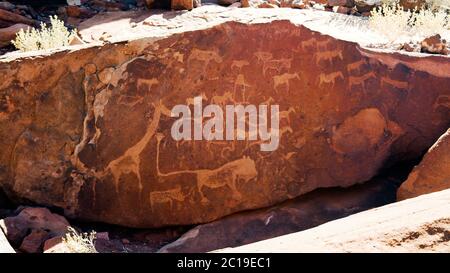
302,213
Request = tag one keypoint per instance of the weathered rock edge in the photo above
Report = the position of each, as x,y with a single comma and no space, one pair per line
433,172
419,224
89,131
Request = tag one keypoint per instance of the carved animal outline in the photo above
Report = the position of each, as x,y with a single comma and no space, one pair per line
328,56
360,80
225,175
356,66
222,100
167,196
330,78
284,79
129,162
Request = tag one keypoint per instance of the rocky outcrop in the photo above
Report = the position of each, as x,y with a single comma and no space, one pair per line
433,172
421,224
32,227
9,33
295,215
90,130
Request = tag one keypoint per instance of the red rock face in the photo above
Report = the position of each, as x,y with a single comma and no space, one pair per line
90,131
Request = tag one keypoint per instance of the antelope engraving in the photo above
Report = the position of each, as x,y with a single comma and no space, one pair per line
359,80
330,78
308,43
167,196
328,56
356,66
284,79
205,56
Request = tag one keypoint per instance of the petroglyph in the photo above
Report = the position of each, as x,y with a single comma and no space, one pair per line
323,45
130,101
130,161
359,80
355,67
442,100
263,56
284,79
239,64
330,78
226,175
205,56
276,65
395,83
146,84
310,43
286,114
167,196
223,100
328,56
268,63
240,81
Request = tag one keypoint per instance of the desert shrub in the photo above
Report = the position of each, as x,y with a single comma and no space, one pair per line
438,4
80,242
427,22
47,37
432,4
392,21
397,24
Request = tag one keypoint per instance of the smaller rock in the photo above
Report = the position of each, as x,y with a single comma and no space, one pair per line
367,5
33,242
342,3
236,5
318,6
108,6
16,17
15,231
342,10
155,4
56,245
267,5
185,4
298,4
407,47
76,40
433,172
102,236
227,2
434,45
7,6
29,219
413,4
79,12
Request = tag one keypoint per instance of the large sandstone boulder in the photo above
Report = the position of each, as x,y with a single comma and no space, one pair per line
420,224
433,172
302,213
90,130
